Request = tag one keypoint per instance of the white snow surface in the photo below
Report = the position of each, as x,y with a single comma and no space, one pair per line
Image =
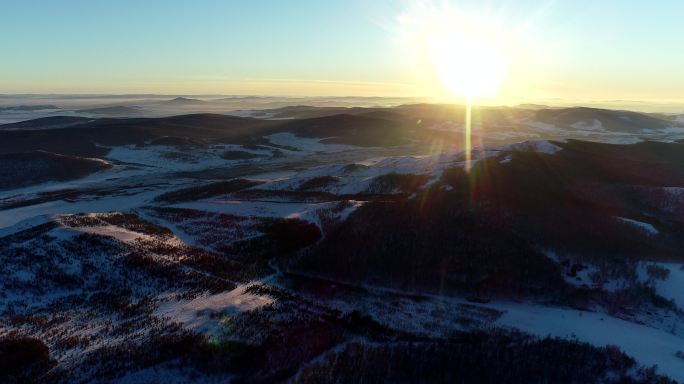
670,288
118,233
674,192
24,225
311,212
594,125
196,314
645,227
305,144
542,146
13,216
93,179
254,113
254,208
357,177
166,157
542,126
448,126
649,346
170,374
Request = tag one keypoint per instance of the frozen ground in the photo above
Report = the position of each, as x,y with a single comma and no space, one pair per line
647,345
204,314
436,315
672,286
141,174
542,146
135,199
645,227
307,144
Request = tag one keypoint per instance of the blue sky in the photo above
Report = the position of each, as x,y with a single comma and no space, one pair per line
605,49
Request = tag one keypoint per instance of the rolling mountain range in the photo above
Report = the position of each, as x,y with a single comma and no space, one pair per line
306,244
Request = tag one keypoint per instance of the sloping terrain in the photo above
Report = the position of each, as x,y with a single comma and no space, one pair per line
346,247
422,123
28,168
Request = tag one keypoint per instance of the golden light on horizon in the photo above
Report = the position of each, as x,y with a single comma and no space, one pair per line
465,54
470,66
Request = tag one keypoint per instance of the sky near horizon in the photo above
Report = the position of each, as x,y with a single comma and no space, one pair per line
564,49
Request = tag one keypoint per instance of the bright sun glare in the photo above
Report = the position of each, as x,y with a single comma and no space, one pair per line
468,64
465,53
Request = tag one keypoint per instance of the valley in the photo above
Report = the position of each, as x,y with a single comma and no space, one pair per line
294,246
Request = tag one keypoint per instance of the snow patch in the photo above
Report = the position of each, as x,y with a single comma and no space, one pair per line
24,225
203,313
447,126
647,345
311,212
645,227
676,192
168,157
305,144
118,233
542,146
546,127
124,202
357,177
672,287
171,374
594,125
254,208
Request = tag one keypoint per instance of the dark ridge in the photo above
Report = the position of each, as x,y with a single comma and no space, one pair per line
209,190
478,357
29,168
28,107
484,232
184,101
47,122
433,245
86,137
623,121
116,110
180,142
374,127
23,359
351,129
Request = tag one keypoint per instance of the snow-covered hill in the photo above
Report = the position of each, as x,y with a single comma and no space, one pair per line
268,256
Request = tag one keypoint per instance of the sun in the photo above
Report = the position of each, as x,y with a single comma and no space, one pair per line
464,53
468,64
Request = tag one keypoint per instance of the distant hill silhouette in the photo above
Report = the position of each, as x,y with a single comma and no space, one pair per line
183,101
121,110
